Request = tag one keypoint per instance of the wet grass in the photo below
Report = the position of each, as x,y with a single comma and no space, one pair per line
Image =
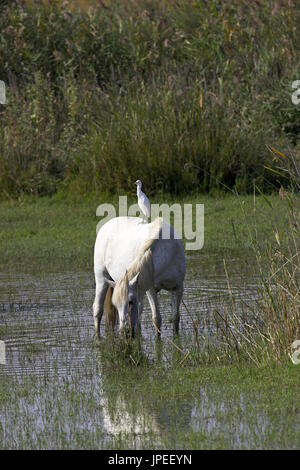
219,407
72,392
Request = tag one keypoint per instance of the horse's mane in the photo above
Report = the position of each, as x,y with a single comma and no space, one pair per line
144,255
142,264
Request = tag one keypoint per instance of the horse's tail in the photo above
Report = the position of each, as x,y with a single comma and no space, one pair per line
110,310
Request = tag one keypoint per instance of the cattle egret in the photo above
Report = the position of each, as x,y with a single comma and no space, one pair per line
143,201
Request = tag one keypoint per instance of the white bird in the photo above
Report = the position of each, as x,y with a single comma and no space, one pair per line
143,201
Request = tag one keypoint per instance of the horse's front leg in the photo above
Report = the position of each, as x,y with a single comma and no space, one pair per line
140,304
176,297
156,318
135,309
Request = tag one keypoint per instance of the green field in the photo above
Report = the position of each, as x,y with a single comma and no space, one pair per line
51,233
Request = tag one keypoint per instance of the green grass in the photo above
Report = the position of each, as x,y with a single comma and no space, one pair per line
55,234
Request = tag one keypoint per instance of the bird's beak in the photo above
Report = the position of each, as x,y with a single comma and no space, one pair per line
135,182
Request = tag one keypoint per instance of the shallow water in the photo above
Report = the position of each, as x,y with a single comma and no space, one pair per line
47,326
53,312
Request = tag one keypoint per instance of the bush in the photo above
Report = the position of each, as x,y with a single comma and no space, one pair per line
101,96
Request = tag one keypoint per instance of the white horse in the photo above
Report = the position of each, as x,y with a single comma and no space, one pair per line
132,259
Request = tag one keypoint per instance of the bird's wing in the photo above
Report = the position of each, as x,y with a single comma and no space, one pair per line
144,204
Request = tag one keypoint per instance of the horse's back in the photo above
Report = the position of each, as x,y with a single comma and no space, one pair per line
121,239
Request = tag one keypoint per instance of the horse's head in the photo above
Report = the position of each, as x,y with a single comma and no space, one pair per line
125,300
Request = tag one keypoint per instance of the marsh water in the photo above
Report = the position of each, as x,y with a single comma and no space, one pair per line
55,310
71,398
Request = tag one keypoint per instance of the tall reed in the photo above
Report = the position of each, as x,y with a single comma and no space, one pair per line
270,327
100,93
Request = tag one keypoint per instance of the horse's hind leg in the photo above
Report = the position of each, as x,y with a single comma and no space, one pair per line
101,290
152,296
176,297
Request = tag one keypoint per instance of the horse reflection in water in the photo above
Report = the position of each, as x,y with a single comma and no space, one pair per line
131,259
138,420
